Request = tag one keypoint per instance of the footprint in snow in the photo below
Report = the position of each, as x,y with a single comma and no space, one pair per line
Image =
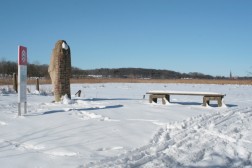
30,146
88,116
3,123
110,148
60,153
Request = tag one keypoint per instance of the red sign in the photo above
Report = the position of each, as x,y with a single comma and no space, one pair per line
22,55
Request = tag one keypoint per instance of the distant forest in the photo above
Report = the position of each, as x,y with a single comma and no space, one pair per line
7,68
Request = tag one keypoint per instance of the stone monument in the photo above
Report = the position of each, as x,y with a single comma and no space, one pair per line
60,70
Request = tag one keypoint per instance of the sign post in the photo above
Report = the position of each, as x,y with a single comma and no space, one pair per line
22,78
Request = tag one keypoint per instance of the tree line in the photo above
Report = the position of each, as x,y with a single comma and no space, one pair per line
144,73
7,68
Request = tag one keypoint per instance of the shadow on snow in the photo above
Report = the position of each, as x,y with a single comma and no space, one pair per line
84,109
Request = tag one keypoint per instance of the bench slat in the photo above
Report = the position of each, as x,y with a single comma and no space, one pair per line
185,93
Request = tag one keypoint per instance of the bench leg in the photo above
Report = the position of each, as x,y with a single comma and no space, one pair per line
219,101
206,100
163,100
152,99
167,97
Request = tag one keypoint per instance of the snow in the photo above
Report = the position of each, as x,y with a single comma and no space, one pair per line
113,125
182,92
64,46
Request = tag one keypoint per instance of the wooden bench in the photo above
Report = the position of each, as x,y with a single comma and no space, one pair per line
165,96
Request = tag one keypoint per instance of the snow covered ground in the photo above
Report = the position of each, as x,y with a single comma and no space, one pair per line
113,125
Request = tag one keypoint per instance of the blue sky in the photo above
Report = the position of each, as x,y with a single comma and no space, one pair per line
206,36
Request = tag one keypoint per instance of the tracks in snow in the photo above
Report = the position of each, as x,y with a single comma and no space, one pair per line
212,139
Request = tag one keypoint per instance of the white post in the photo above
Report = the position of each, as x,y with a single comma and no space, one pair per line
25,107
19,109
22,78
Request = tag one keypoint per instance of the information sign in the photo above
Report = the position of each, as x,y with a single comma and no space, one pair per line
22,76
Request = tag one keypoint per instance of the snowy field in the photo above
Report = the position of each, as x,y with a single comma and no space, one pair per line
114,125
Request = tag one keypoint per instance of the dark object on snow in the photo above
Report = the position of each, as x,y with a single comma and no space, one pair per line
15,82
37,84
78,93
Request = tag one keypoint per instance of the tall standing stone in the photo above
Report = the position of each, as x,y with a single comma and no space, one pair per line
60,70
